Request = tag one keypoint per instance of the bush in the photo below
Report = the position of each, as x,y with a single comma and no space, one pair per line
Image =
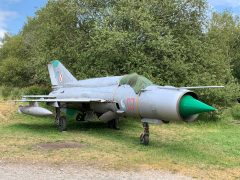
235,112
16,93
37,90
6,92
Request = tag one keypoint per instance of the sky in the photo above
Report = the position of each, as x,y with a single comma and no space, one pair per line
14,13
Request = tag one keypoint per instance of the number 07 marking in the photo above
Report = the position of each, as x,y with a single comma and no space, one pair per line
130,104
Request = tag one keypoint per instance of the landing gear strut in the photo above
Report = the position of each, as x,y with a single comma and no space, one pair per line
58,113
144,137
113,124
60,121
62,124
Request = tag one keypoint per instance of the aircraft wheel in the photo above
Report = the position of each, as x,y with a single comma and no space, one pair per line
165,122
113,124
62,124
57,117
144,139
80,117
56,121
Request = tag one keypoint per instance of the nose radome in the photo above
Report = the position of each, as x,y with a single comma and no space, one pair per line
189,106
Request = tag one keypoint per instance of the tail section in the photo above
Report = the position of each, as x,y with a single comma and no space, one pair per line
59,75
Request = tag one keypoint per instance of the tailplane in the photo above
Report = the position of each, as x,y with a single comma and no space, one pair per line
59,75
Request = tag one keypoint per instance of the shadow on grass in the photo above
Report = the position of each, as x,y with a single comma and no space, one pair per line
32,128
126,134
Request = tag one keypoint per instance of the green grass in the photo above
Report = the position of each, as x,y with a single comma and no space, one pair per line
201,149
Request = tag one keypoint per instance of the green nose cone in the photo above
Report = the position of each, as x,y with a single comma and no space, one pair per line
190,106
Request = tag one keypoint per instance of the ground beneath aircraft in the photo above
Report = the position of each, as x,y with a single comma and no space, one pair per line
33,147
58,145
32,171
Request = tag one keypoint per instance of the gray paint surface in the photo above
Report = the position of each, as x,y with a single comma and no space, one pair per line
108,99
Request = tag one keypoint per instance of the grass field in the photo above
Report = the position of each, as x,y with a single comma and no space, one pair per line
199,149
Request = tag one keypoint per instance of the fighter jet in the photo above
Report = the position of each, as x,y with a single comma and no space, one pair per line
107,99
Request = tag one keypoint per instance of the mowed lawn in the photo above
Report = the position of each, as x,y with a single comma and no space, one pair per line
199,149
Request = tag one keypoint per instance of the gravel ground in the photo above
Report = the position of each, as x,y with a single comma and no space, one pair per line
10,171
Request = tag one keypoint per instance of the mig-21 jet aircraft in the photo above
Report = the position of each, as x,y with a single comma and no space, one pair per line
107,99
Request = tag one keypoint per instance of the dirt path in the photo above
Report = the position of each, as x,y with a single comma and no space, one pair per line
12,171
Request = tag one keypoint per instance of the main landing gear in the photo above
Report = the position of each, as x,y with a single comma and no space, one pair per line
61,121
113,124
144,137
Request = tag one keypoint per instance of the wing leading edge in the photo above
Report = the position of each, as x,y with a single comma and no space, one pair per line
46,98
201,87
189,88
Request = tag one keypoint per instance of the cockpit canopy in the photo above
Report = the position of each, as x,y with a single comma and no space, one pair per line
137,82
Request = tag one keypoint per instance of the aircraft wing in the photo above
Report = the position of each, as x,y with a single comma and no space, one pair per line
38,96
179,88
201,87
46,98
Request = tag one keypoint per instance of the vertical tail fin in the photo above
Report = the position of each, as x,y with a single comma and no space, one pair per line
59,75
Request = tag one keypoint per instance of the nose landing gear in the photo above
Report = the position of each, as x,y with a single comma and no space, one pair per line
144,137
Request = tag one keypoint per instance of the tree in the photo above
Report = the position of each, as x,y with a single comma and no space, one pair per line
14,63
168,41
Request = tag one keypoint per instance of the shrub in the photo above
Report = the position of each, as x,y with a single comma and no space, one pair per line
235,112
6,92
36,90
16,93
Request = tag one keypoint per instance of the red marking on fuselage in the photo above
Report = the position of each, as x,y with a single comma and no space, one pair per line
60,76
130,104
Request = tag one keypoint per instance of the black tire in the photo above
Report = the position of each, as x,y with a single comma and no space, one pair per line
144,139
81,117
113,124
57,117
62,124
56,122
165,122
110,124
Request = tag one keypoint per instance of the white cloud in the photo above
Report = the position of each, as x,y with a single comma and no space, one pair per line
2,32
225,3
4,18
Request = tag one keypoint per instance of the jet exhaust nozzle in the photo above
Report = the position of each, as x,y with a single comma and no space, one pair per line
190,106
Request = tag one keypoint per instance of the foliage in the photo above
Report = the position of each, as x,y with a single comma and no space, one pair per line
36,90
235,112
15,68
5,92
171,42
8,92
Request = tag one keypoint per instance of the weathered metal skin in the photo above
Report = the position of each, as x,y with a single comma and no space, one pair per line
153,102
161,106
150,102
